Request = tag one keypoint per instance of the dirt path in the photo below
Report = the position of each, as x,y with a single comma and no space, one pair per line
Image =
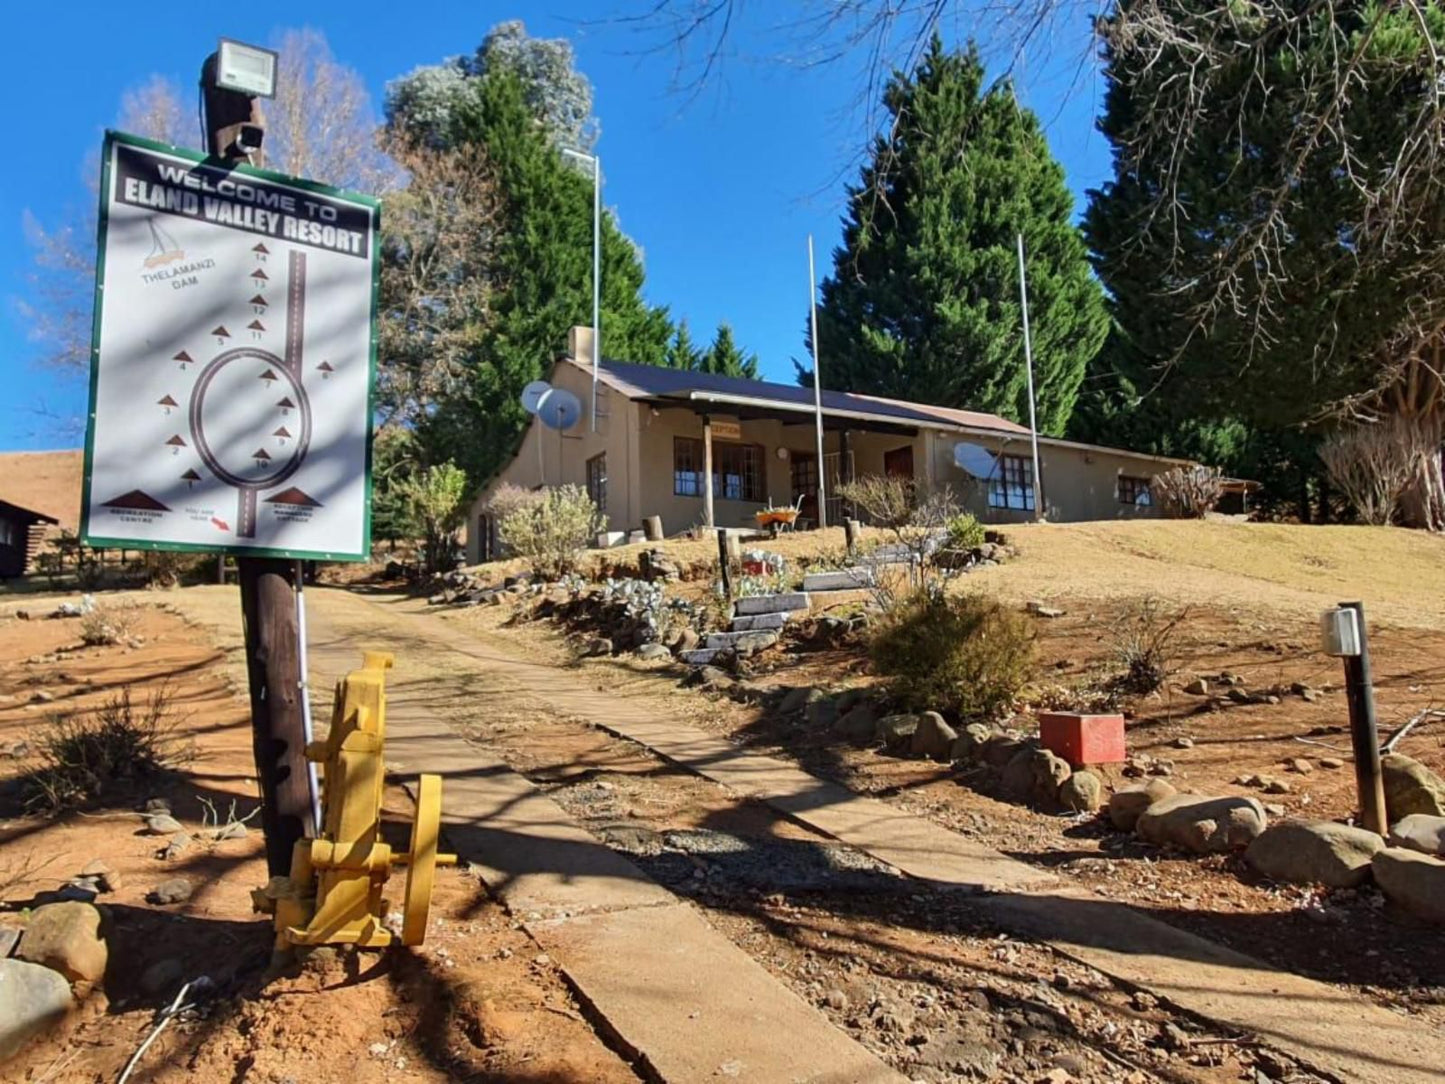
481,688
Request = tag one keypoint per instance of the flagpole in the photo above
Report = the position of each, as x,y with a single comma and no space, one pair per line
1029,364
817,386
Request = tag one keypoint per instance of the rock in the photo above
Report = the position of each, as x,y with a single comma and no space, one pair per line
9,938
970,743
1332,763
896,731
1410,787
1419,832
162,976
687,640
96,867
748,644
859,725
933,737
797,699
1275,786
1017,777
1202,825
999,750
1197,687
596,647
1127,805
66,937
175,890
32,999
175,845
162,824
1239,696
1082,792
1314,852
1039,609
1301,765
653,652
1413,880
1274,809
1183,743
157,805
713,677
822,712
1051,772
16,750
1246,780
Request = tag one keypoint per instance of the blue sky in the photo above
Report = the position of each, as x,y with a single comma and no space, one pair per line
720,189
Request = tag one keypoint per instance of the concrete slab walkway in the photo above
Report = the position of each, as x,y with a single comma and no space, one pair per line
680,999
1328,1028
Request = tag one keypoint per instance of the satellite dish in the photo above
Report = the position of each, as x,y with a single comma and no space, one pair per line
532,395
559,409
975,460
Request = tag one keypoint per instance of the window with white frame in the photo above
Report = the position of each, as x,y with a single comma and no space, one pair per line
597,481
1012,487
1134,490
737,470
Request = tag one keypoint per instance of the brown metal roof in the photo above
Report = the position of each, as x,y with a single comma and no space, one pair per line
654,382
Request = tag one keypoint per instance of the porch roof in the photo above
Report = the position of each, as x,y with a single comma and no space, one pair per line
737,395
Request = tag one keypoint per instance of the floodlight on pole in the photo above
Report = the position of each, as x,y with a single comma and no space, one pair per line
246,69
596,161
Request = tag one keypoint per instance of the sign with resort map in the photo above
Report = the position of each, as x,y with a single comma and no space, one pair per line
232,360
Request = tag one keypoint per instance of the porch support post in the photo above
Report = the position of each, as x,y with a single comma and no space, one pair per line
707,517
845,472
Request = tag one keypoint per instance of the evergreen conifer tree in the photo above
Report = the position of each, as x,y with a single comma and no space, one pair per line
923,299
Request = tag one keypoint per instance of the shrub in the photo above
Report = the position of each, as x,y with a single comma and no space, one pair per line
962,654
1188,492
965,532
552,531
1143,642
436,502
89,758
918,520
103,626
1372,465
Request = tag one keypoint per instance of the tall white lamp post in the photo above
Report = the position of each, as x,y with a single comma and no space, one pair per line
596,162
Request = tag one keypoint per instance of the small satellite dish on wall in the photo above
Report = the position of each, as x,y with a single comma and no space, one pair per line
559,409
532,395
783,453
975,460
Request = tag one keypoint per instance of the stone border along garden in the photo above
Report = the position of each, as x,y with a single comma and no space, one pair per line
637,615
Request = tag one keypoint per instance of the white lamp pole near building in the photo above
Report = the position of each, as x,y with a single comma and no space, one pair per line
1029,362
817,386
596,162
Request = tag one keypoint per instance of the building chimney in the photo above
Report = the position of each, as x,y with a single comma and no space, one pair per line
579,344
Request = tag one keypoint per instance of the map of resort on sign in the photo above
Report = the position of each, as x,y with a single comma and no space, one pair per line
232,363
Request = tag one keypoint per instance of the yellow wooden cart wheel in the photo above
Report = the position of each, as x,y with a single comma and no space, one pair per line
421,863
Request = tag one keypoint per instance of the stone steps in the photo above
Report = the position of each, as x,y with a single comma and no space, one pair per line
700,656
724,641
769,622
843,579
788,602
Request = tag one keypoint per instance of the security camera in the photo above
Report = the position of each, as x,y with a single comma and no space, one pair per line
249,138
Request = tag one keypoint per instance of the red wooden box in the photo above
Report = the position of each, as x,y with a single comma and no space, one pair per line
1083,739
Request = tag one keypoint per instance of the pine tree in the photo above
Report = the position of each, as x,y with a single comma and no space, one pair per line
923,300
681,353
725,358
1241,297
543,262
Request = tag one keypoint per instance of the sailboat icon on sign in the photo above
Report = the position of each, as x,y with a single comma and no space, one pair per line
164,249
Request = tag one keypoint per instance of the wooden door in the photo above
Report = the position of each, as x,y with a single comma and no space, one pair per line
899,462
804,474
